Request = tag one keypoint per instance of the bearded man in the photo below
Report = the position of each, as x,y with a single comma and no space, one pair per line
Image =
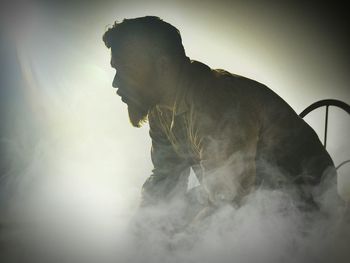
235,133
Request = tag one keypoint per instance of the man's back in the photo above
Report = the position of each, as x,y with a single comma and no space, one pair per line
286,143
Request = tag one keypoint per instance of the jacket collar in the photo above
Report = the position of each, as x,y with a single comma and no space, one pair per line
180,105
189,74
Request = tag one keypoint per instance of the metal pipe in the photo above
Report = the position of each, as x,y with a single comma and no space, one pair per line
326,128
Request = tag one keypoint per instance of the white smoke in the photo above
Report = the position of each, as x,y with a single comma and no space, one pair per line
73,217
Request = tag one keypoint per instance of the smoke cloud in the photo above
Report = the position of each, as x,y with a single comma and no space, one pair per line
67,219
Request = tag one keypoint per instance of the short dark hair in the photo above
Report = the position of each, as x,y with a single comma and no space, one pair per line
163,37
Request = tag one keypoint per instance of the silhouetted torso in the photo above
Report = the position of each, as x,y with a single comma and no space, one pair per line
235,133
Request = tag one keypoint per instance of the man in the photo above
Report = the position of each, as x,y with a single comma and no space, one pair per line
235,133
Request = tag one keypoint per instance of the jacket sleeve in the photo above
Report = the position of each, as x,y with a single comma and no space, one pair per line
228,132
170,173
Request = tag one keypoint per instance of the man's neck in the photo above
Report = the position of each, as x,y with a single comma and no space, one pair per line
171,86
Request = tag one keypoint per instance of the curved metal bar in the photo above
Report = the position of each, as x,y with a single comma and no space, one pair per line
326,128
341,164
328,102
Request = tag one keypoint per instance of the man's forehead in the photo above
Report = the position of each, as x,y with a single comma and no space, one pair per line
131,46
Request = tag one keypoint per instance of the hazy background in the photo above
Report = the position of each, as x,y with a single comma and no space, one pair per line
68,151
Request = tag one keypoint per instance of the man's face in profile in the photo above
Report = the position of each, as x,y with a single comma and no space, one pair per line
135,80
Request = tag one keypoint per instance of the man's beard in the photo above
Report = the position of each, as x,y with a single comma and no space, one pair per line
137,115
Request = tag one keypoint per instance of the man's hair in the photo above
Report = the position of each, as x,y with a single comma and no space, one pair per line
162,37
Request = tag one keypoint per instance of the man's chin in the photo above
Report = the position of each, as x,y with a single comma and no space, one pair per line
137,115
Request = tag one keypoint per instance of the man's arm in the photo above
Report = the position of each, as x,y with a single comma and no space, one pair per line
227,123
228,160
170,173
228,165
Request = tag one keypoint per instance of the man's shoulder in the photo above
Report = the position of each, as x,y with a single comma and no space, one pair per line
220,88
207,79
235,81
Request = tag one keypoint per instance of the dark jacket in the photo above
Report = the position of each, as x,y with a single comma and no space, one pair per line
235,133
